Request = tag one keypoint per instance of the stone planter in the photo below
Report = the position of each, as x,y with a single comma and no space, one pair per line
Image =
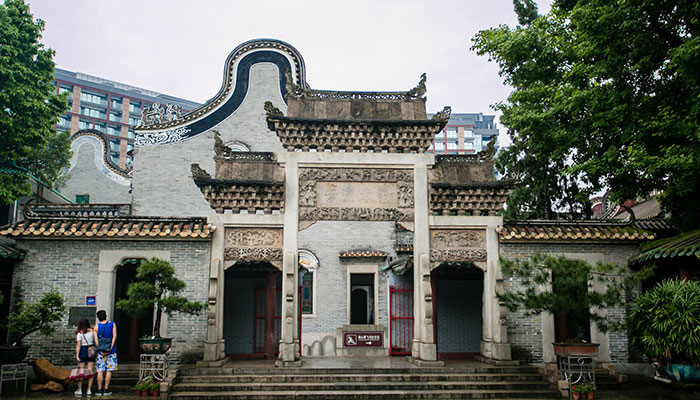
155,345
13,354
576,349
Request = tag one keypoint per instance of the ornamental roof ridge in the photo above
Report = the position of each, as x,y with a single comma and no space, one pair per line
106,159
572,222
227,85
415,94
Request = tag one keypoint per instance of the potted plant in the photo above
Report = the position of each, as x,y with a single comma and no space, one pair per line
27,319
577,390
155,388
664,326
565,287
157,286
143,386
590,390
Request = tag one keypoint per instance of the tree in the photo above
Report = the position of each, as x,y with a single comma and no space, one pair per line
564,286
157,286
41,317
29,105
606,96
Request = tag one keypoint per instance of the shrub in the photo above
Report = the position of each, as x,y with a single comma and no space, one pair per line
665,322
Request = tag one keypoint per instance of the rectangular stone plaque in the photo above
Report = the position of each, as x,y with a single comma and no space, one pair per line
75,314
357,194
363,339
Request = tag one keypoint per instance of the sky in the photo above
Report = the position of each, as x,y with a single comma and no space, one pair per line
179,47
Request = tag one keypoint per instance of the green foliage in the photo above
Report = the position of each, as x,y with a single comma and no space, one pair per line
144,384
29,105
41,316
560,285
665,322
606,96
157,286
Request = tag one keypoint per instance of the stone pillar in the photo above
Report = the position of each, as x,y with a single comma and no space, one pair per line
214,344
423,349
494,346
270,316
289,343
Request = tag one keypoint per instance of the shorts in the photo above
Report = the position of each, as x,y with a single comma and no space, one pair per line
83,355
106,363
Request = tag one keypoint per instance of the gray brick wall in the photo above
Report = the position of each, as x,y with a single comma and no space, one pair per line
524,332
239,296
72,267
326,239
160,169
459,322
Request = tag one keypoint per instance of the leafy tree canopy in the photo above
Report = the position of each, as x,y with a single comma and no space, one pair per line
606,96
561,285
41,316
29,105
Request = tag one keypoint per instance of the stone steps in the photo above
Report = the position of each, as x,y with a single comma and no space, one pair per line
406,377
366,386
352,383
384,394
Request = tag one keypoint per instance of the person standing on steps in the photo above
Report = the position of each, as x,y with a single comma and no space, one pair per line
107,358
84,338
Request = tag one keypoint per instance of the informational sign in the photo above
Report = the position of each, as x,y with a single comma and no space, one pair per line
90,301
363,339
75,314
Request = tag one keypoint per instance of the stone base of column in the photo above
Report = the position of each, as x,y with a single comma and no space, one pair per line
289,353
424,363
214,351
496,353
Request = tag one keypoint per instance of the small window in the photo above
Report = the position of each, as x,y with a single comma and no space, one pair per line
308,263
82,198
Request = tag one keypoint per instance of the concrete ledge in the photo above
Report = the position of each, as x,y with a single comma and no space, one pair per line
287,364
212,364
424,363
500,363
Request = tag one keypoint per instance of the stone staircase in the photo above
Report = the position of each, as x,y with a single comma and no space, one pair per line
522,382
124,378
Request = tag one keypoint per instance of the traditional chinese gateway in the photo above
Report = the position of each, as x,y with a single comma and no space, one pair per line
312,223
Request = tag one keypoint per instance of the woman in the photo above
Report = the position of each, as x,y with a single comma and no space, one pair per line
84,337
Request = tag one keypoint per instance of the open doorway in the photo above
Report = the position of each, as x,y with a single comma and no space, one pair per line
362,299
130,327
457,299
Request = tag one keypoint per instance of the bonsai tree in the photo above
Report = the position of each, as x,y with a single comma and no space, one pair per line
572,291
664,322
157,287
41,316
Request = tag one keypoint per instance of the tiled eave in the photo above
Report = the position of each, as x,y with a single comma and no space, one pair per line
571,231
153,228
362,254
393,136
683,245
8,250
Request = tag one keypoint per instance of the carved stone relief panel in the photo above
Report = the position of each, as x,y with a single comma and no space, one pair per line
455,245
457,238
253,244
355,194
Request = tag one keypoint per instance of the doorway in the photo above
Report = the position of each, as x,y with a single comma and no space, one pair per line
362,299
457,299
130,328
252,310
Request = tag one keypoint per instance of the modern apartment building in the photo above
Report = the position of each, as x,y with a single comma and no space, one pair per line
465,133
109,107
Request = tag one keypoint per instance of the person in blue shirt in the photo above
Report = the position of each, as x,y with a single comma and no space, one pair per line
106,360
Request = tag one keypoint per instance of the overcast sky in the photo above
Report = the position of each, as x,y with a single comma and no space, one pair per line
179,47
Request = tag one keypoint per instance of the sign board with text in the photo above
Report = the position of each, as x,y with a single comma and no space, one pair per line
363,339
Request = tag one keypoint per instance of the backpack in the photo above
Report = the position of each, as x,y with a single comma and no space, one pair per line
104,344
